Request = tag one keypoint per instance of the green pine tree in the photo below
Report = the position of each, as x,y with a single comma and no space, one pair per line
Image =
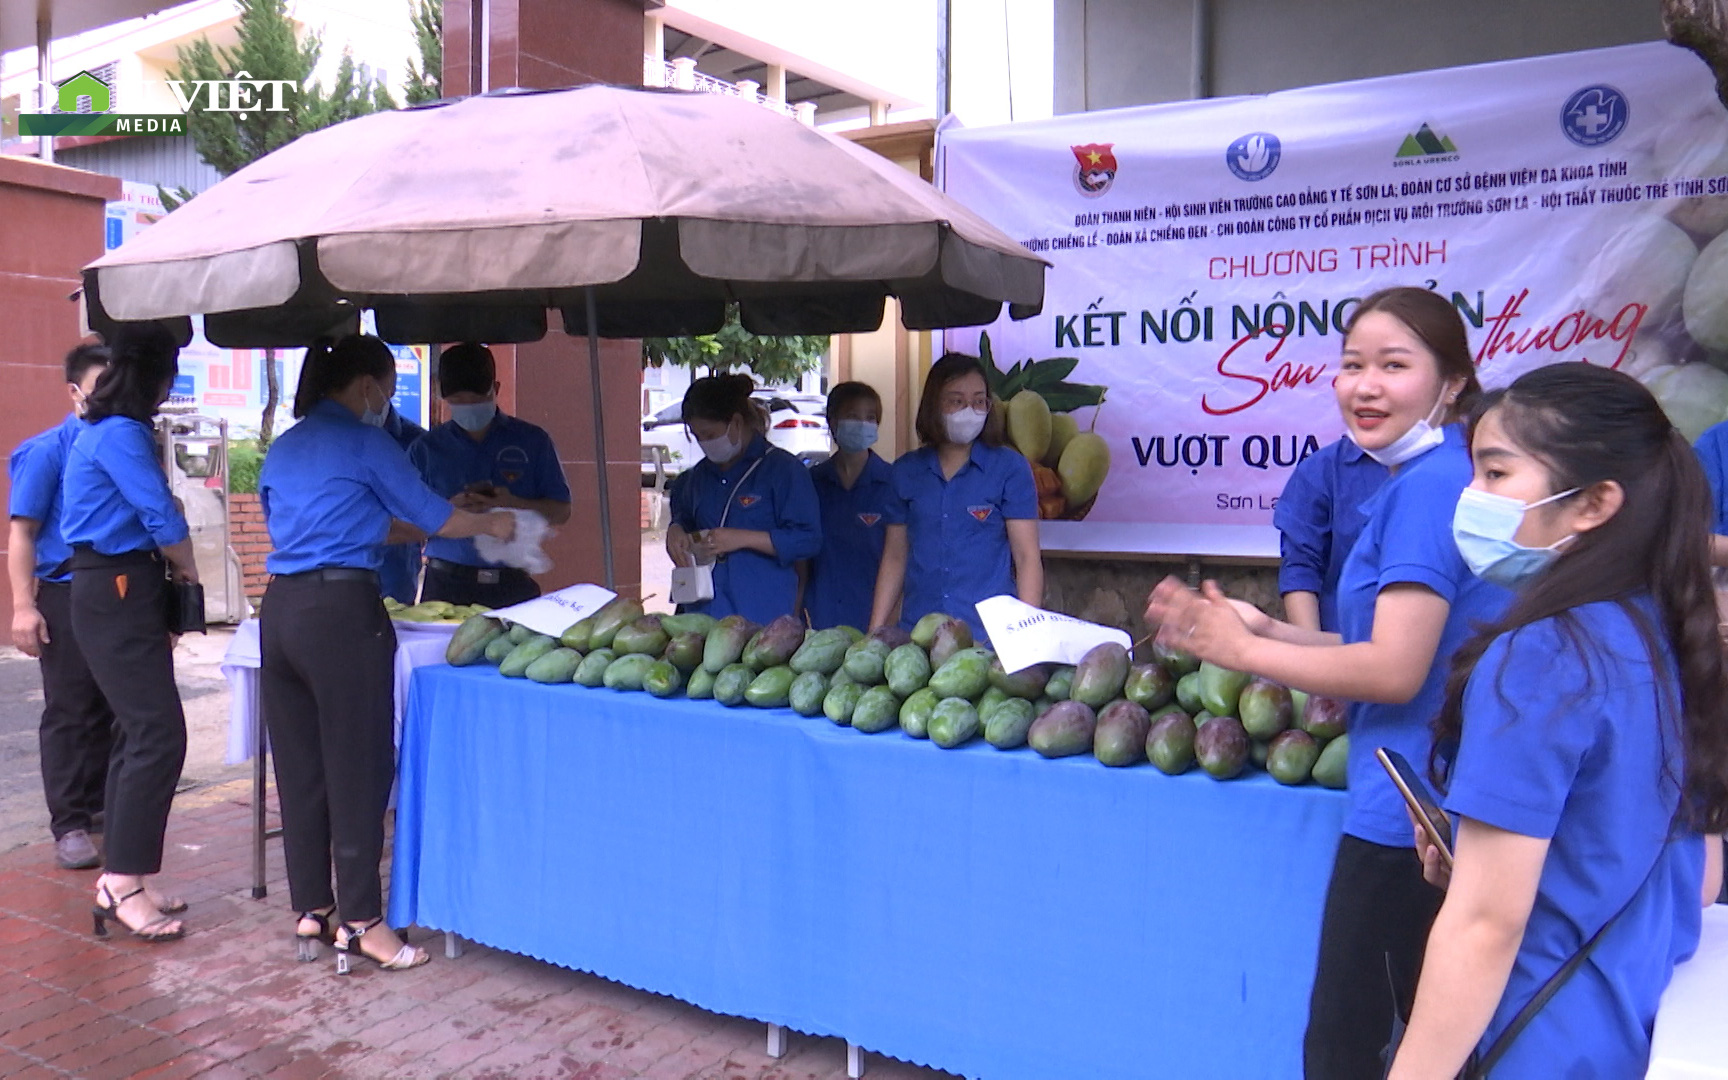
773,359
426,82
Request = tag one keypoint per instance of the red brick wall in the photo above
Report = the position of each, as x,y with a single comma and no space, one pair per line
250,541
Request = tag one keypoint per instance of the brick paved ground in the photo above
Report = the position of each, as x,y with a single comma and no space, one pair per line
230,1001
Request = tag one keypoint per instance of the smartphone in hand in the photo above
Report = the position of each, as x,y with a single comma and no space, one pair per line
1423,806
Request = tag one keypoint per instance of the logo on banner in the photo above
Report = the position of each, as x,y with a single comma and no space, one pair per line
1095,168
982,513
1594,115
869,520
1425,147
1253,157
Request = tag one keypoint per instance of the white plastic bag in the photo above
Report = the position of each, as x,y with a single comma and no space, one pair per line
522,550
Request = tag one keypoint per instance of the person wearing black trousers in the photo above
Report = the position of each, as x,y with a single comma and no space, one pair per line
127,535
336,489
77,731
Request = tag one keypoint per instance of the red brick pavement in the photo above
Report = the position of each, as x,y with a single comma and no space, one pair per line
230,1000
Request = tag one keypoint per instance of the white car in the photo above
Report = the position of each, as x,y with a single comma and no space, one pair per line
796,424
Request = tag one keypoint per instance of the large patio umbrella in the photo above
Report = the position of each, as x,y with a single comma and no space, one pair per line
635,212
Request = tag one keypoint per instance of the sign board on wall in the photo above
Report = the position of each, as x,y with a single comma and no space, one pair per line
1208,254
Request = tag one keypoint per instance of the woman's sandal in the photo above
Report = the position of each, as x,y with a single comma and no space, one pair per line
102,913
347,945
307,944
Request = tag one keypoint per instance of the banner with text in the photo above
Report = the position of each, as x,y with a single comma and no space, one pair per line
1207,255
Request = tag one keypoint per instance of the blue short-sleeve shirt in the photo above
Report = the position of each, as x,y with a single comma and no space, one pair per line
1712,450
513,454
399,576
114,494
770,491
329,487
1319,516
37,467
1575,738
957,529
1408,540
842,584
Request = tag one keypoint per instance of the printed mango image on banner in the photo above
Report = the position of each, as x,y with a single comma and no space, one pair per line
1038,407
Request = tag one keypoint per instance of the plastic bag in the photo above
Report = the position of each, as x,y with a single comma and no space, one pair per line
522,550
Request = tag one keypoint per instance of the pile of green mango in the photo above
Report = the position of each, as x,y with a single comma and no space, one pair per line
432,611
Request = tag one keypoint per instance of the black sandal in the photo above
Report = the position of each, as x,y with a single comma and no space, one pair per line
347,944
306,944
102,913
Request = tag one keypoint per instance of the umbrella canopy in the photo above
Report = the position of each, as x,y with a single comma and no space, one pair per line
470,219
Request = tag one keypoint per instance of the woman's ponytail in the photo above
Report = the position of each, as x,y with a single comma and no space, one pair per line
314,378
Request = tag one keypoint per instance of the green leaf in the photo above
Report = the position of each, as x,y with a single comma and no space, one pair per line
1066,397
1017,381
985,353
1041,373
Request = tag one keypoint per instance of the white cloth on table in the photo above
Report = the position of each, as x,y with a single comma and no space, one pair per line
417,644
1691,1041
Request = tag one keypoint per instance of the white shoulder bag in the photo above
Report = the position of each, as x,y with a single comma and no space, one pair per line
694,584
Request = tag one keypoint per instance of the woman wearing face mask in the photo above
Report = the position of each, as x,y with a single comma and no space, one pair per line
969,507
747,507
334,488
127,537
1581,740
482,459
856,491
1406,602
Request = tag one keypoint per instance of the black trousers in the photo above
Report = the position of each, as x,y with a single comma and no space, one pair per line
459,587
1378,913
326,688
77,733
118,619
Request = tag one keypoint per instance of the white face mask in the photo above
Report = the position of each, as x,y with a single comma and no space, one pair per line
1422,437
375,417
722,449
79,401
963,426
474,417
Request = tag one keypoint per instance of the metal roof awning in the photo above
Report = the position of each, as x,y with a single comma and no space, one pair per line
64,18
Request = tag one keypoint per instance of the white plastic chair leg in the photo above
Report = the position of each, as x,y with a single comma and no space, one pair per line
854,1060
452,946
776,1041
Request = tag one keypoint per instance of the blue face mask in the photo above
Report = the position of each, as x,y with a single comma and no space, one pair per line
375,417
854,435
1483,526
474,417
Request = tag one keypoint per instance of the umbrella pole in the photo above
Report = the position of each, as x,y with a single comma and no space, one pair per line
600,438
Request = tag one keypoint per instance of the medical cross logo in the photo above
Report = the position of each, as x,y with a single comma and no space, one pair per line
1594,115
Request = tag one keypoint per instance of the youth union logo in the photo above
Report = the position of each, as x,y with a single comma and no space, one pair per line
1594,115
1253,157
1095,168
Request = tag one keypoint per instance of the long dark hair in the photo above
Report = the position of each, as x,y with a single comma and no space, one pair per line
928,424
1437,324
1589,424
331,367
145,359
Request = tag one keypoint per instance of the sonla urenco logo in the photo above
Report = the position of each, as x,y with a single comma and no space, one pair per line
1095,168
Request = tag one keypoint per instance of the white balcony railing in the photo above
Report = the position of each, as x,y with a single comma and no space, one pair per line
681,74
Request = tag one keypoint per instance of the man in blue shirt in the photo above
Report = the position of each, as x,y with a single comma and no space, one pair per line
399,575
77,724
482,458
1318,517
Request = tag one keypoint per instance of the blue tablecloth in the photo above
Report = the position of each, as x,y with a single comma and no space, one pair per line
990,913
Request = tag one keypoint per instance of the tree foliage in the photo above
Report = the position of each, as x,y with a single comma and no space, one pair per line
426,81
774,360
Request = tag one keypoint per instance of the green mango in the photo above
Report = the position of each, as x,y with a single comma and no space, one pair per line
1060,683
498,648
684,651
907,670
1265,709
1201,718
965,675
1175,661
576,635
1222,747
951,637
1221,688
807,693
618,613
726,641
1120,737
953,723
701,685
1150,687
1331,768
775,643
989,702
731,683
1101,675
592,671
915,713
1170,742
663,679
822,652
1067,729
772,689
1027,683
468,643
1042,706
1292,758
557,666
876,711
1258,752
840,678
1007,725
1325,718
520,633
642,637
890,635
515,666
924,633
853,634
1188,692
695,622
628,672
840,701
866,662
1298,707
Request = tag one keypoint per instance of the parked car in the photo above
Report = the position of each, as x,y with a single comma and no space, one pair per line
796,424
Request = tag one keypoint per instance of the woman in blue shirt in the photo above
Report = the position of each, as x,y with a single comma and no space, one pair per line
336,488
747,507
968,505
1587,725
1318,517
1406,602
856,491
127,537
